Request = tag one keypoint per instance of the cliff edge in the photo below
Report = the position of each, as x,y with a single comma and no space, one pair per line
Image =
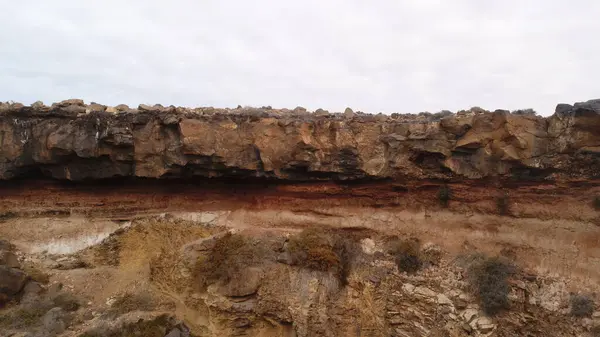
74,141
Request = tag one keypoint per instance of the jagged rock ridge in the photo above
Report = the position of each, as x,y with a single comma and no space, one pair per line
73,141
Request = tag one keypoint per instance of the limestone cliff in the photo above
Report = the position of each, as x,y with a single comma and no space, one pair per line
73,141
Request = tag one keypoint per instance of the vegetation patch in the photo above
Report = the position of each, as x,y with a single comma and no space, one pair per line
503,204
35,273
129,302
582,305
596,202
327,251
157,327
489,278
230,254
407,254
22,317
444,195
66,301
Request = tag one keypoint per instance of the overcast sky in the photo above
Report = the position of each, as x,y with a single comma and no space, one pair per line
375,56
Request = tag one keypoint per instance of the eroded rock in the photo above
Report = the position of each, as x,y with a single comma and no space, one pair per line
156,141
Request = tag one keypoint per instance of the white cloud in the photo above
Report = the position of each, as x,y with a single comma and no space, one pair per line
381,55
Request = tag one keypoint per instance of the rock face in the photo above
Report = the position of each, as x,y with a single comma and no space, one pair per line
72,141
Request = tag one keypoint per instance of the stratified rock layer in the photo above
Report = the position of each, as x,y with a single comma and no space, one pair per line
74,141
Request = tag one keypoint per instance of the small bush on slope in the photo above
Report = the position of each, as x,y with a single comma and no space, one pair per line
503,204
317,249
406,254
596,203
444,195
582,305
230,254
489,279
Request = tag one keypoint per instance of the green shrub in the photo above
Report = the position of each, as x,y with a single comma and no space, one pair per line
503,204
444,195
582,305
489,279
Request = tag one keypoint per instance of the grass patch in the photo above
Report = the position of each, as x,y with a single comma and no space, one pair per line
582,305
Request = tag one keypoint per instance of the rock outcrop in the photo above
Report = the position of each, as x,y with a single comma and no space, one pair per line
73,141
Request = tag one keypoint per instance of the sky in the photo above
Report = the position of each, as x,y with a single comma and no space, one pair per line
387,56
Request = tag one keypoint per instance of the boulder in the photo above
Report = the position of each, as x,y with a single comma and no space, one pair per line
54,321
9,259
12,281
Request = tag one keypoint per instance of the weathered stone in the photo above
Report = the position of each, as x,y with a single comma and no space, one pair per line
469,315
72,101
94,107
348,113
9,259
145,107
111,110
174,333
122,107
54,321
6,245
484,324
474,144
444,300
38,105
425,292
12,281
408,288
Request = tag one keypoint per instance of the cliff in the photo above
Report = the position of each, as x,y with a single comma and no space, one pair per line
477,223
74,141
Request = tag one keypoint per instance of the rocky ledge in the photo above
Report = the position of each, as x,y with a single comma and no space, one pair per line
74,141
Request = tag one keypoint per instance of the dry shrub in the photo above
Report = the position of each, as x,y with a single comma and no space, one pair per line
406,254
155,327
22,317
503,204
321,250
66,301
582,305
35,273
489,280
444,195
596,203
29,315
128,302
230,254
